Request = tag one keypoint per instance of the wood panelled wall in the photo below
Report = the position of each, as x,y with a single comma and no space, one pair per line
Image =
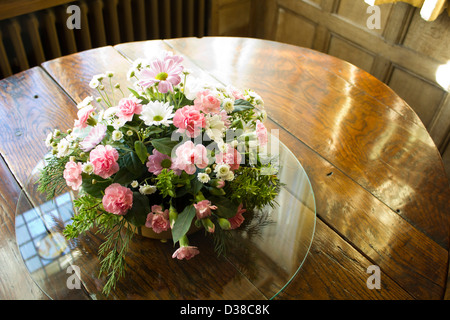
406,52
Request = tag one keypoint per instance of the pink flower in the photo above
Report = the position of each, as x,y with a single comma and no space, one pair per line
189,155
225,118
207,102
237,220
104,159
72,174
237,94
83,116
232,157
94,137
158,161
128,107
261,133
203,209
220,184
165,73
186,252
188,119
117,199
158,220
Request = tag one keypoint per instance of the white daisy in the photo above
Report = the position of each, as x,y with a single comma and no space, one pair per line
157,113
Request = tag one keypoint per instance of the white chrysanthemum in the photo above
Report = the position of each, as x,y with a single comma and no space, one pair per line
203,177
117,135
222,171
87,168
147,189
63,148
157,113
228,105
229,176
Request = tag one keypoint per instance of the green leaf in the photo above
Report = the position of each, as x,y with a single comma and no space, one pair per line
241,105
124,177
141,151
225,207
183,223
164,145
132,162
137,215
137,95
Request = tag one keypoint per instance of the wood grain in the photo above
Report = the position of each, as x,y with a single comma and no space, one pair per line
15,281
356,132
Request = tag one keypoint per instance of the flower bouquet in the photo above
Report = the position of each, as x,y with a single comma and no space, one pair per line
172,155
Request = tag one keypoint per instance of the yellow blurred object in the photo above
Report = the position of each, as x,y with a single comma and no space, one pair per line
429,9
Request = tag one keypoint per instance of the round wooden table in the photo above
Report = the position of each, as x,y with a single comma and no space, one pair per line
381,194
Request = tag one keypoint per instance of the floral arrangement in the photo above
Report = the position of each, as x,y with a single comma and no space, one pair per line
173,153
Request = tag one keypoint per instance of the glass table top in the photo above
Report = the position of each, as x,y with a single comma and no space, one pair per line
265,253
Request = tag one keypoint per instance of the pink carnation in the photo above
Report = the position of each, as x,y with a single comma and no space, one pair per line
83,116
128,107
207,102
117,199
261,133
237,220
186,252
188,119
158,220
189,155
203,209
104,159
72,174
232,157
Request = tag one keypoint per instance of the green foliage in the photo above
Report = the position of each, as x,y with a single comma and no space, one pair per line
51,180
165,183
253,189
114,250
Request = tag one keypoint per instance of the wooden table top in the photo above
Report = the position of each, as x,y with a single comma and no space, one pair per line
382,195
